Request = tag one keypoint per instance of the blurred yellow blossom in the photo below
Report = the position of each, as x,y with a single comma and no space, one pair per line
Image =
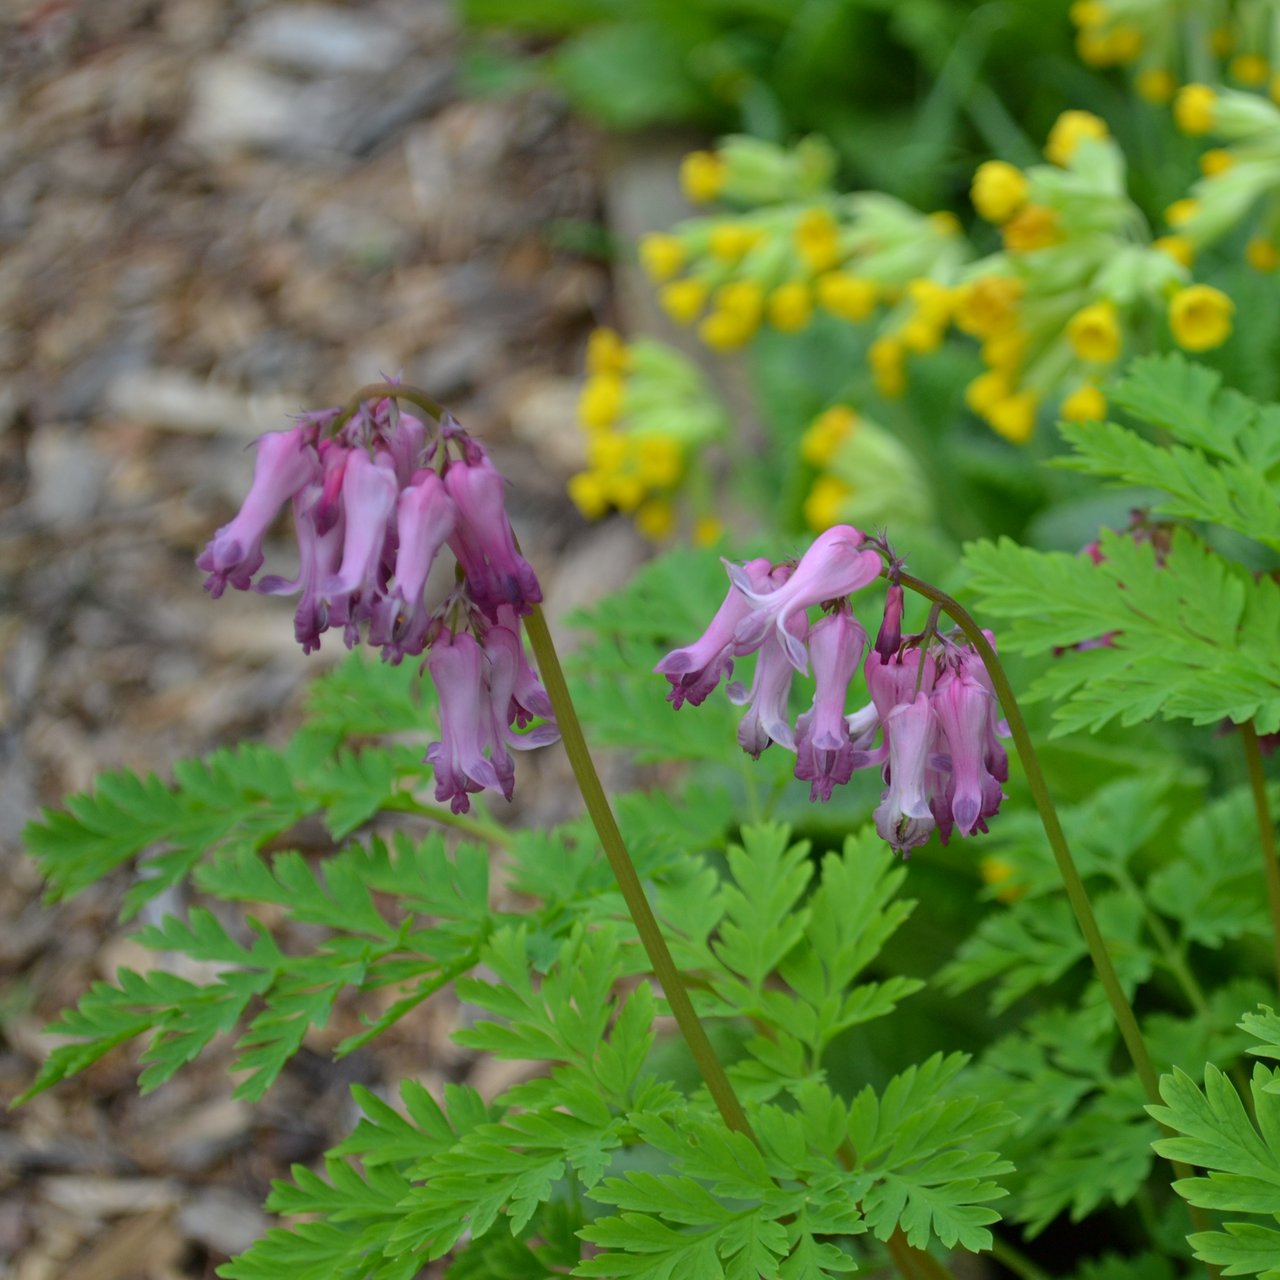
601,400
887,359
1036,227
997,873
606,352
1094,332
662,257
999,190
702,176
1180,212
1249,69
987,390
826,434
817,239
706,531
822,506
846,296
1179,248
1193,108
790,306
1216,160
731,241
1261,254
1085,404
1156,84
987,305
1200,317
655,518
683,300
1014,418
1071,129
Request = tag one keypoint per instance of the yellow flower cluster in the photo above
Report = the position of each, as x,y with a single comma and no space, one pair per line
1055,311
786,260
864,475
645,411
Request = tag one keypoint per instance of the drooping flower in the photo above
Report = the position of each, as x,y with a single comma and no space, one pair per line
889,637
320,555
903,818
825,753
483,541
834,566
695,670
406,443
369,502
286,463
457,667
897,680
515,693
425,517
766,720
963,708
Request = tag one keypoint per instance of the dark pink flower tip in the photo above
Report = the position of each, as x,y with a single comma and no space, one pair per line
285,464
496,572
889,637
457,668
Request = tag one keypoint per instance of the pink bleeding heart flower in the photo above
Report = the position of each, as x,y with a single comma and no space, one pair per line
766,720
833,567
507,668
528,698
963,709
894,682
696,670
995,757
406,444
320,556
825,754
496,572
369,495
903,817
889,637
457,667
286,463
425,517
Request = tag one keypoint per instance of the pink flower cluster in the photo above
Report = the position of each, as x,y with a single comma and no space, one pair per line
939,753
373,504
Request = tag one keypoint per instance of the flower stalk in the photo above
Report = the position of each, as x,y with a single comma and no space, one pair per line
1125,1018
664,966
1266,830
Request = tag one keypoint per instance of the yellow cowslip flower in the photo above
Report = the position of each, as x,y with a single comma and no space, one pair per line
1179,248
791,306
655,519
934,302
921,336
887,359
702,176
606,451
1193,108
988,305
737,309
1125,42
1094,332
1005,351
683,300
846,296
1014,417
817,239
706,531
601,400
1156,84
1089,13
606,352
828,431
1274,88
1215,161
826,499
1180,212
945,223
1085,404
1200,317
1249,69
997,873
659,459
589,492
731,241
662,257
1036,227
1261,254
1222,41
1069,130
626,490
999,190
986,391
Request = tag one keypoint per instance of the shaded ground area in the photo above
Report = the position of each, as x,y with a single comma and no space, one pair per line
213,214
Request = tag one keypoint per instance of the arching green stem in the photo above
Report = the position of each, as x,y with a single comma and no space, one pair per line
1266,829
664,967
1125,1018
387,391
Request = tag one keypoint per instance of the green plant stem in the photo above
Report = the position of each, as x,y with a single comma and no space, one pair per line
1266,830
479,828
1125,1018
1017,1262
664,967
387,391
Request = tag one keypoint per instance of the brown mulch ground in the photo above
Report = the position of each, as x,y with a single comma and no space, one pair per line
213,213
